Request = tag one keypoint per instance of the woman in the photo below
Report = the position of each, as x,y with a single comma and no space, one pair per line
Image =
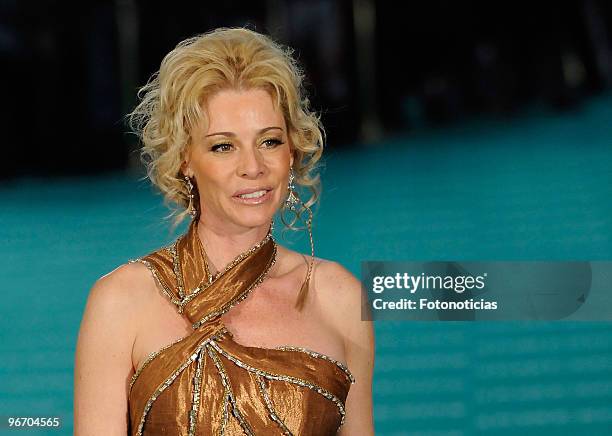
225,331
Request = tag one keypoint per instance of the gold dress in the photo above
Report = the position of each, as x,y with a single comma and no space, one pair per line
206,383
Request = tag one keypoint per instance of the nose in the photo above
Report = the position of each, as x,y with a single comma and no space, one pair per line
251,163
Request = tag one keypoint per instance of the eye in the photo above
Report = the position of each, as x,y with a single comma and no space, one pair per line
272,142
221,148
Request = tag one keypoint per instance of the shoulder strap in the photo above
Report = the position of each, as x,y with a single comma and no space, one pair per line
181,274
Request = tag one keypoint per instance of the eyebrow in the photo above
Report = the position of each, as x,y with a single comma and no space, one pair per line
232,134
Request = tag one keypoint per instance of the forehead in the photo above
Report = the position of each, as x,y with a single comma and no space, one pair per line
235,110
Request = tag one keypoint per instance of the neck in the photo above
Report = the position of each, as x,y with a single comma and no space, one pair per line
223,244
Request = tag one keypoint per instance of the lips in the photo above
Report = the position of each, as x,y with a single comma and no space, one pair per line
252,190
253,195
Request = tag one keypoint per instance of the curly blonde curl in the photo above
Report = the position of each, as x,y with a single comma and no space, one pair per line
171,104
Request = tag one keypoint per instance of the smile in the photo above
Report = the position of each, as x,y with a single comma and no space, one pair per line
255,194
254,197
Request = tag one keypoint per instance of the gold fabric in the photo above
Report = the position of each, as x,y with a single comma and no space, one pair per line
208,384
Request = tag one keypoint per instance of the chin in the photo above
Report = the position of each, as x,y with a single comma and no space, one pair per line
254,219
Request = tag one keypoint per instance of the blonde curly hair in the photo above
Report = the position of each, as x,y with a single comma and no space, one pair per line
171,104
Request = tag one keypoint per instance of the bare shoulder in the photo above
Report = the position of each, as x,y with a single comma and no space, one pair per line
103,357
331,273
343,298
114,301
133,274
331,285
113,306
121,288
339,294
339,291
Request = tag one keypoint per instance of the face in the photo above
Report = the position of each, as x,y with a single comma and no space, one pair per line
241,160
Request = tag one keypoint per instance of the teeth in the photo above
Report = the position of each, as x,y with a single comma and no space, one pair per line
255,194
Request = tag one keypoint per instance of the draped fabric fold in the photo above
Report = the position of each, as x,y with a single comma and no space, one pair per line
208,384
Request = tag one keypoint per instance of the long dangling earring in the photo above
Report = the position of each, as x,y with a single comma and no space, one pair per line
190,208
291,203
304,288
292,199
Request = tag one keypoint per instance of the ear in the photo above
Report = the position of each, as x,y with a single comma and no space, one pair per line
185,168
291,158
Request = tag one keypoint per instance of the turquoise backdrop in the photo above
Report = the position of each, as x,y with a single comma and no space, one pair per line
534,187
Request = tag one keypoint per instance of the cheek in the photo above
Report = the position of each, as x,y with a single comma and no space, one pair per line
282,161
212,179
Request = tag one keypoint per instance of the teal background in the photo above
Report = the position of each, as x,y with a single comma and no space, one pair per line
537,187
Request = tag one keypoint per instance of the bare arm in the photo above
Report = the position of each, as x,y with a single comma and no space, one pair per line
360,359
103,361
345,293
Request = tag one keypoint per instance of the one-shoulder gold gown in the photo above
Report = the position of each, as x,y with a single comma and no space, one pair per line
208,384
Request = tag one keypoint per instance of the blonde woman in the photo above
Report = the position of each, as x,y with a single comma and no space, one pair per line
225,331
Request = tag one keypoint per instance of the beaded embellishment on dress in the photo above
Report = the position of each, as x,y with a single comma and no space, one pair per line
206,383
